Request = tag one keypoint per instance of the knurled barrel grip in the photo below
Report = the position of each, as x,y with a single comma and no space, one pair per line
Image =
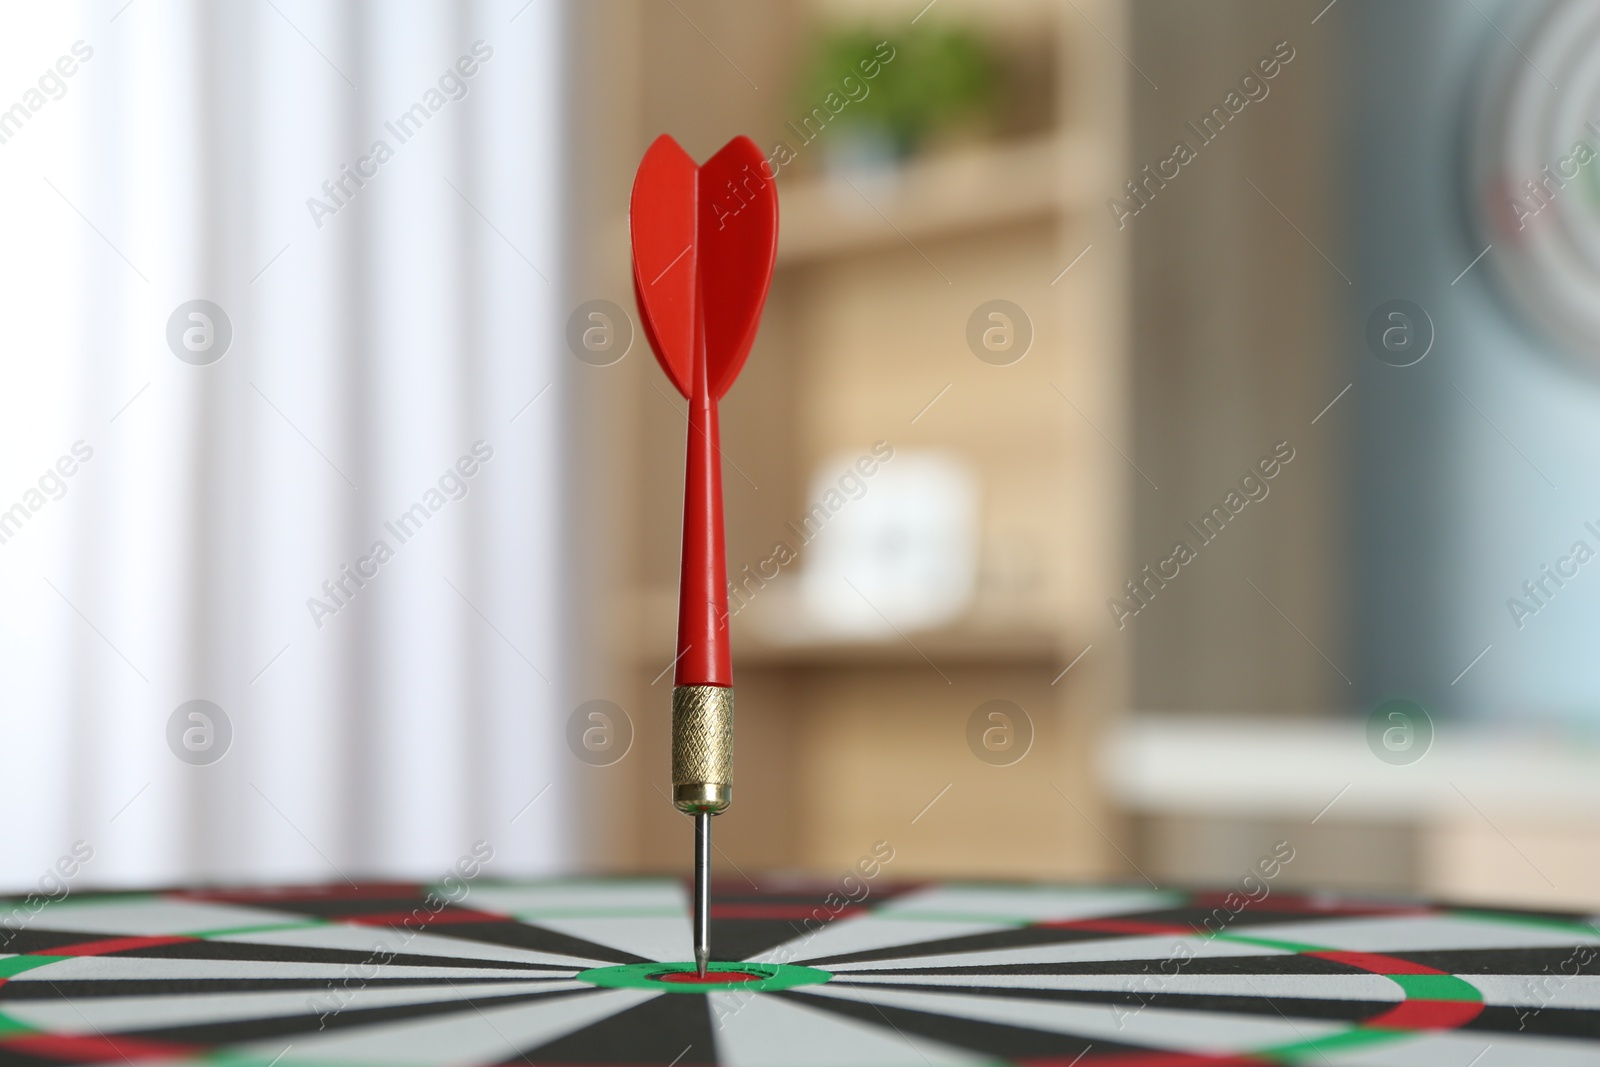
702,748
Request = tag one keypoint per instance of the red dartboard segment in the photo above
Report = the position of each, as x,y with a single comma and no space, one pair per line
705,240
1427,1015
64,1048
1375,962
107,946
1154,1059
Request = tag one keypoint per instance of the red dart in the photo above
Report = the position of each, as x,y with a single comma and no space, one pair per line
704,243
705,239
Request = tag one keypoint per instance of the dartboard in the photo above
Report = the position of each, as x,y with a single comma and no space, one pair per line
594,971
1535,164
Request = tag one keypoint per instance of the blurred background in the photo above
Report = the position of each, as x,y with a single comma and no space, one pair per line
1168,436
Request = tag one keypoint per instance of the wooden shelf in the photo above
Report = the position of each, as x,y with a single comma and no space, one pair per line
962,644
994,634
1004,14
956,192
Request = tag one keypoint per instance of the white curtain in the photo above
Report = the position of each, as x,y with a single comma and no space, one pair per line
385,328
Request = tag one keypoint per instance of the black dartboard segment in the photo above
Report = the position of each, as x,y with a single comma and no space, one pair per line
580,972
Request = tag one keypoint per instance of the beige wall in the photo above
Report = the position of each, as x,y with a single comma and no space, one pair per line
1236,341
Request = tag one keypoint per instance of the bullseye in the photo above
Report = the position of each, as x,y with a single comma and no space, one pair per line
711,977
683,977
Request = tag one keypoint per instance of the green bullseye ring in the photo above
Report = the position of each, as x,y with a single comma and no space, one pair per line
769,977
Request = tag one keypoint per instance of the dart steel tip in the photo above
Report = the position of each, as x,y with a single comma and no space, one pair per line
702,891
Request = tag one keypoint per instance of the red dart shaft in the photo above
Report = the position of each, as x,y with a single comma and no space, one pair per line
704,657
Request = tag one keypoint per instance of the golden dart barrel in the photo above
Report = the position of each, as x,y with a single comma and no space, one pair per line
702,748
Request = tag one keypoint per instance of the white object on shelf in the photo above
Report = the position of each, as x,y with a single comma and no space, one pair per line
902,554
